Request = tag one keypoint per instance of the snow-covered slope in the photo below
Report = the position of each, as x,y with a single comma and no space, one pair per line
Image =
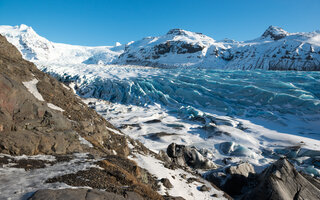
38,49
276,49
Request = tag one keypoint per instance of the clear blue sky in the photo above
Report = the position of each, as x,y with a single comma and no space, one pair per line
104,22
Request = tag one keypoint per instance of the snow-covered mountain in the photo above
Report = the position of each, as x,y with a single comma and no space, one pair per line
38,49
275,49
176,48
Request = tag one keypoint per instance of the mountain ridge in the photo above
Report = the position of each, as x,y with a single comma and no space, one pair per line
275,49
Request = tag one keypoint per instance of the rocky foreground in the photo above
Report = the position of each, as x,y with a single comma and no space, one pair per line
54,147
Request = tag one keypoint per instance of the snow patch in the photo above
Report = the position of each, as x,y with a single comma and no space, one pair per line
32,88
189,191
54,107
35,157
66,87
114,131
84,141
18,183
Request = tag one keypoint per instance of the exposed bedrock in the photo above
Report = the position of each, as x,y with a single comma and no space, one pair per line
278,181
282,181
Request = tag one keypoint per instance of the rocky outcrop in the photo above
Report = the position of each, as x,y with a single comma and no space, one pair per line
188,156
35,107
117,175
275,33
278,181
243,169
232,179
282,181
81,194
176,47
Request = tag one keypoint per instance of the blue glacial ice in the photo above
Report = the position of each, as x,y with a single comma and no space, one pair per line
260,114
271,96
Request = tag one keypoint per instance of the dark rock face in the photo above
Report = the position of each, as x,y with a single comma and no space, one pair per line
81,194
234,178
275,33
278,181
238,177
178,47
187,156
176,31
282,181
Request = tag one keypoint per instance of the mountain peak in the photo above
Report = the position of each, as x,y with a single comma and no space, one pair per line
176,31
23,27
274,32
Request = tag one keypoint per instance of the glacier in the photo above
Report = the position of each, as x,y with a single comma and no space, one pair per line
262,114
268,95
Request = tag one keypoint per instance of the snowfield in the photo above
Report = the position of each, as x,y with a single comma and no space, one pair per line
181,187
21,184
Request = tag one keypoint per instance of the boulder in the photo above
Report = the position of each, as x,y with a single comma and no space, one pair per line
188,156
204,188
238,177
166,183
243,169
232,179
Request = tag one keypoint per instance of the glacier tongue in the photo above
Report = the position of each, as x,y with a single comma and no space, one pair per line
234,93
205,108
